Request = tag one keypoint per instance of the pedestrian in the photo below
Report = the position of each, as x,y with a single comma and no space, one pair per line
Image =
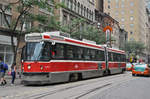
1,71
13,73
5,69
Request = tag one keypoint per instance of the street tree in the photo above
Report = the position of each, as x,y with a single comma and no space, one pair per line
26,16
134,48
78,29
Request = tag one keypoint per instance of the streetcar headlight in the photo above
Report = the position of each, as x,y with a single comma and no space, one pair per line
41,67
29,66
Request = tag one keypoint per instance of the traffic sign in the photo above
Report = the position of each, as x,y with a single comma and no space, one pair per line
108,31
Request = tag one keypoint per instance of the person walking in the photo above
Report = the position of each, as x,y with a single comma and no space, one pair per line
13,73
2,74
5,69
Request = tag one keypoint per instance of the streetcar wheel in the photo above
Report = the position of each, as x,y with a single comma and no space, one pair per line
73,77
133,74
107,72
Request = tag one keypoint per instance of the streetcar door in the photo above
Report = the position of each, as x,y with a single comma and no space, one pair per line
106,58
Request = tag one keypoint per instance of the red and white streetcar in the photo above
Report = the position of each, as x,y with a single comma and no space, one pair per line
51,58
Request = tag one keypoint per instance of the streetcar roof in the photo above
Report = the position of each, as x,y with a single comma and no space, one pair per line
55,37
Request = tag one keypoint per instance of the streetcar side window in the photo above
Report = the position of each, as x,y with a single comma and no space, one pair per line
100,55
110,56
86,54
92,54
115,57
69,52
123,58
58,50
79,53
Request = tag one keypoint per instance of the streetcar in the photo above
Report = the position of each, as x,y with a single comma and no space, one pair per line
51,58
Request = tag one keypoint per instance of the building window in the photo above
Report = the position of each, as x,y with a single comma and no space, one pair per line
108,1
78,7
122,26
122,5
116,13
87,12
64,19
92,15
122,19
131,4
117,1
84,11
117,5
131,11
67,3
108,6
81,9
131,25
122,12
2,19
7,54
131,32
74,6
123,0
71,4
131,18
27,25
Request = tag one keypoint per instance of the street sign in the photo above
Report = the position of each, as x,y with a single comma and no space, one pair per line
108,31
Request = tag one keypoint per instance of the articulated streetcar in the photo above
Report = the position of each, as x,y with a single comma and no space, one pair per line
51,58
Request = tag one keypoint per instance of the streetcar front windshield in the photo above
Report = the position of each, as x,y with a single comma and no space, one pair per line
37,51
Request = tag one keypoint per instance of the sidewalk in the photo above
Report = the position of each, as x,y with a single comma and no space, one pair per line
9,78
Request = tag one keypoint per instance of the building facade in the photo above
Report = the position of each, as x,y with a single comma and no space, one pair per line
5,39
148,36
76,9
6,51
131,16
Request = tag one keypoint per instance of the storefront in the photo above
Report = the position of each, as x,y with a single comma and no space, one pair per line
5,49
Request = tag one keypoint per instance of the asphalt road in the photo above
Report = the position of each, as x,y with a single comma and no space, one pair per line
120,86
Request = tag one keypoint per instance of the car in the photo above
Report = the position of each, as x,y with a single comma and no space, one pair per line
141,69
129,66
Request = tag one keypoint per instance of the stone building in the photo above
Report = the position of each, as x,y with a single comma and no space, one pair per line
131,15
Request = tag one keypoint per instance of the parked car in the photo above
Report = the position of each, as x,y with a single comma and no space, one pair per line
129,66
141,69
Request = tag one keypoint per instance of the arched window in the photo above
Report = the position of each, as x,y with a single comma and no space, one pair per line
71,4
78,7
84,11
81,9
74,8
92,15
67,3
87,13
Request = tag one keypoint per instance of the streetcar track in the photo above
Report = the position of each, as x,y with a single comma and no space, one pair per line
60,90
95,89
37,96
109,85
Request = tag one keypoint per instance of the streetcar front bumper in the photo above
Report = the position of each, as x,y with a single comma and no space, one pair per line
35,78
